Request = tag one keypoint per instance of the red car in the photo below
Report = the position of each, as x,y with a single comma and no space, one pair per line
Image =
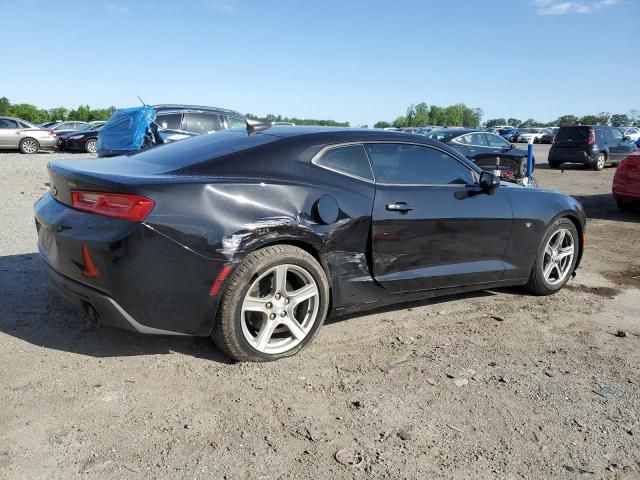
547,138
626,182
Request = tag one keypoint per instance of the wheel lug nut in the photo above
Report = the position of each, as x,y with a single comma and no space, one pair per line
269,305
272,316
283,314
278,296
286,300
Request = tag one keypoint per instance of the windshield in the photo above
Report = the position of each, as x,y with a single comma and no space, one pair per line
443,135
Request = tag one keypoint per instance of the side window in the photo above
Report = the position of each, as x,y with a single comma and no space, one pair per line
496,141
6,123
169,121
413,164
617,134
236,122
350,159
203,122
476,138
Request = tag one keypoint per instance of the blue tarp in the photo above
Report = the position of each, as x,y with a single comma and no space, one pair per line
125,131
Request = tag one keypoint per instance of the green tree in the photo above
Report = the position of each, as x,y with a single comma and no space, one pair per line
495,121
620,120
401,122
59,113
29,112
567,121
513,121
603,118
588,120
472,117
421,115
5,106
82,113
382,124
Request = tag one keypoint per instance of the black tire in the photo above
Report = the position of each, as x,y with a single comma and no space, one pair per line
227,332
90,145
624,205
522,167
538,284
29,146
599,161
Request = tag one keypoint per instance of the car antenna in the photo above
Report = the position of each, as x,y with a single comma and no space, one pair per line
142,101
254,125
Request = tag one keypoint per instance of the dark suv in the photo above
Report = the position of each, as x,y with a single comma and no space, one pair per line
176,122
593,146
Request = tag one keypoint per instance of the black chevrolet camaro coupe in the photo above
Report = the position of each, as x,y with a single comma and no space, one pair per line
252,236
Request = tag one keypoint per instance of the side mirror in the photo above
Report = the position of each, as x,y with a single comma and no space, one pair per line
489,182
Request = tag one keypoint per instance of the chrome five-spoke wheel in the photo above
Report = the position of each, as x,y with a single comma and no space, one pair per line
273,304
279,309
558,256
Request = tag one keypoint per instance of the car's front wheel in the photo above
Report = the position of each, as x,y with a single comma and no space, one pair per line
29,145
90,145
273,304
556,259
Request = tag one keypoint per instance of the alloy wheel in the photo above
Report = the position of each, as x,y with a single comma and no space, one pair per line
280,309
558,256
600,159
29,146
91,146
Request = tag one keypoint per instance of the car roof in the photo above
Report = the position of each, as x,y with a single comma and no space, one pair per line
196,108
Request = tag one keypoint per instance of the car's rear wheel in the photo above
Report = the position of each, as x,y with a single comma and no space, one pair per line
553,164
90,145
599,161
273,304
29,146
556,259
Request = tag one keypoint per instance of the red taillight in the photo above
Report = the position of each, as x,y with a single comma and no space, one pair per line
592,137
119,205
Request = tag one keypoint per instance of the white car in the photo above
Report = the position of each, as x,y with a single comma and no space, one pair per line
632,132
527,134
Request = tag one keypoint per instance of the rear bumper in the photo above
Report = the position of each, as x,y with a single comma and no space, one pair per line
133,276
570,156
109,312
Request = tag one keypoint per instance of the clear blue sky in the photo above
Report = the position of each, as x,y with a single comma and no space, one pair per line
354,60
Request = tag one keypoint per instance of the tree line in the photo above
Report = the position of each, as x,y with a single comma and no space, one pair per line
33,114
270,118
422,114
630,119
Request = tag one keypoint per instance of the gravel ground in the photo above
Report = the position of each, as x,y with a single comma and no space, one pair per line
495,384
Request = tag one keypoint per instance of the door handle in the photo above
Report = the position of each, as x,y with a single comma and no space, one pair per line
399,207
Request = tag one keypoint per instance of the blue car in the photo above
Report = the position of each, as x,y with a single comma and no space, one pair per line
509,134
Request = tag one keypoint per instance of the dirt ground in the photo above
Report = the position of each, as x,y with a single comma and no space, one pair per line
496,384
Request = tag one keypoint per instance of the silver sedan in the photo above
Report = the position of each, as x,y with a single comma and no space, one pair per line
17,134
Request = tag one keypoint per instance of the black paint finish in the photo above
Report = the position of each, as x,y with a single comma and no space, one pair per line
219,197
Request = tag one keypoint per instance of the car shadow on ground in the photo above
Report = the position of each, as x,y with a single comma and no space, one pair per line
32,311
604,207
